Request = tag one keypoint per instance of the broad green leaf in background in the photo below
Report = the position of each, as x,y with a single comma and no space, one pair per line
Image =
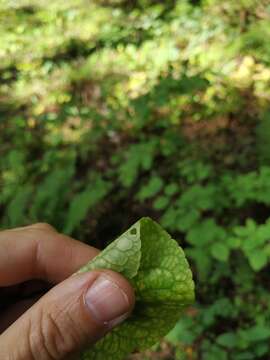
171,189
17,207
83,201
159,272
228,339
258,259
151,188
161,202
220,251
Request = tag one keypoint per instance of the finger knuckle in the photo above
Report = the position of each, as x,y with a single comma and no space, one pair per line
57,336
43,226
39,346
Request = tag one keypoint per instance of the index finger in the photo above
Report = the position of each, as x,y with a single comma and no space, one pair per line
40,252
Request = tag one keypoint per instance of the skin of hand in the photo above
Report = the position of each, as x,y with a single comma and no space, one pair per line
46,313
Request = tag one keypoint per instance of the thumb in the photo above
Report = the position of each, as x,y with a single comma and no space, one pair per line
74,314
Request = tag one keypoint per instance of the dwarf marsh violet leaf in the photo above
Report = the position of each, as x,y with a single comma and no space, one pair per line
159,272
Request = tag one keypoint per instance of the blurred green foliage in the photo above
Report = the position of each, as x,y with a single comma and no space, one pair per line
112,110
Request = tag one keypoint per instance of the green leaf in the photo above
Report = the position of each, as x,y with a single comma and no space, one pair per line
83,201
159,272
161,202
171,189
234,242
186,220
50,193
228,340
258,259
17,208
137,157
257,333
205,232
151,188
220,251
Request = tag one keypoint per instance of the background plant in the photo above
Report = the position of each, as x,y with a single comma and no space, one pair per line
112,110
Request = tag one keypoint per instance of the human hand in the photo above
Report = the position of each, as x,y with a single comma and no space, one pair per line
45,313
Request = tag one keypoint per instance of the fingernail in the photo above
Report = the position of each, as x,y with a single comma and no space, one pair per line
107,302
